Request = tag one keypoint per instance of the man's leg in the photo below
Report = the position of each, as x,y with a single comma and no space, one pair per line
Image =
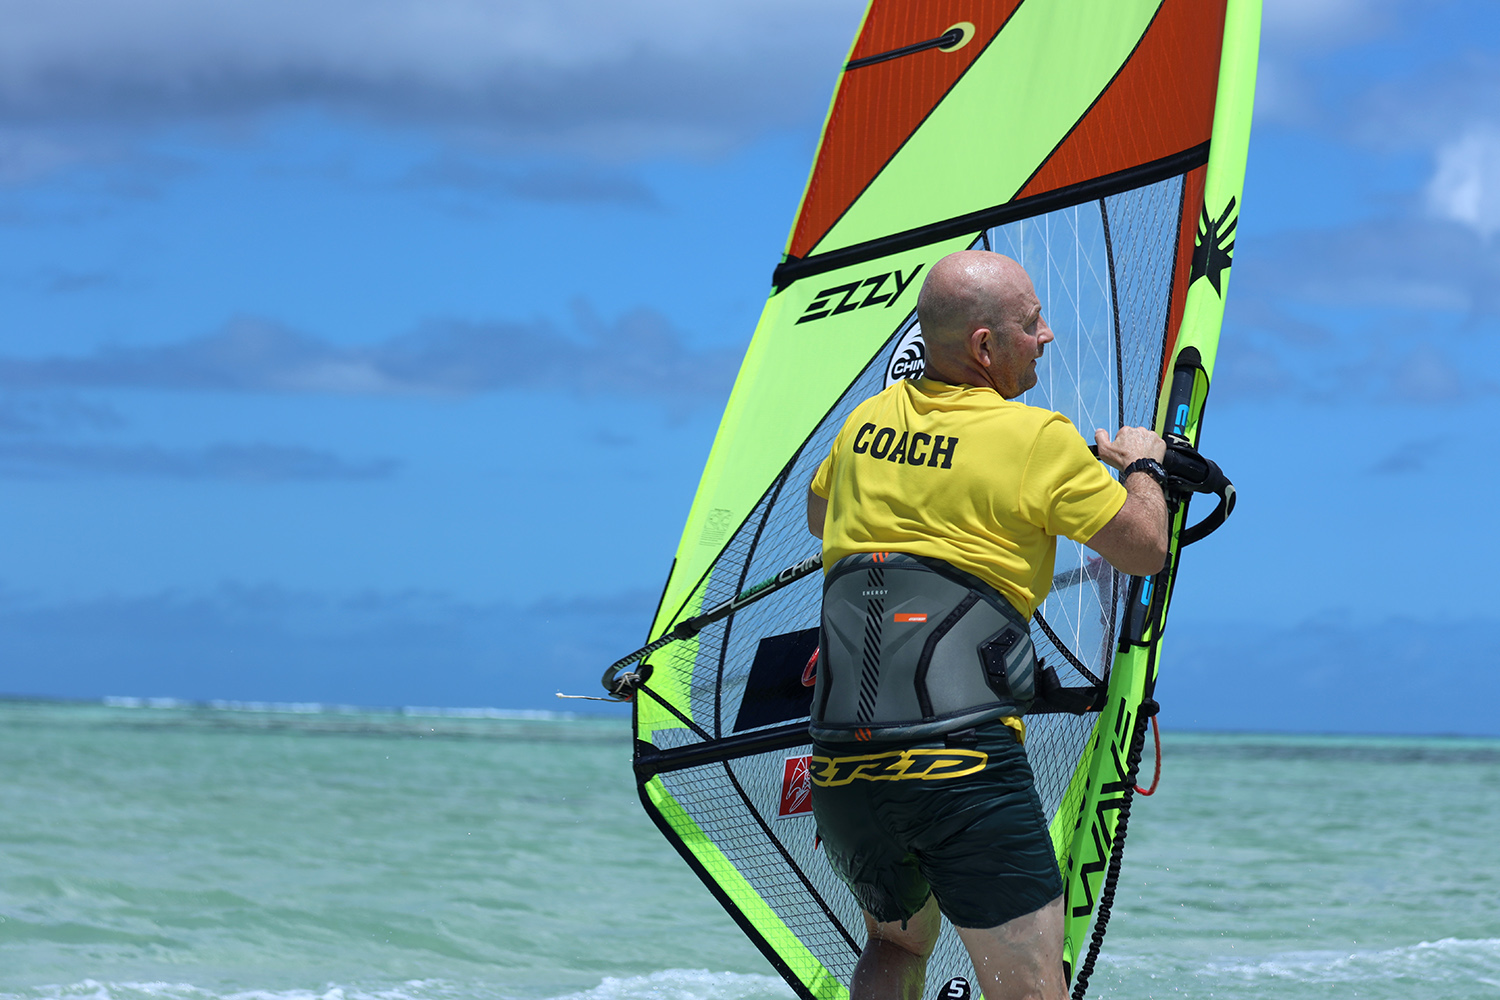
1022,958
893,965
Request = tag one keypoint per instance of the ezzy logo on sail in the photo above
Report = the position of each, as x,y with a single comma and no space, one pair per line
881,289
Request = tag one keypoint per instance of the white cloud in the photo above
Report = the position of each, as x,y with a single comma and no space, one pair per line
1318,21
1388,310
1295,36
1453,94
1466,185
1284,94
1319,68
602,74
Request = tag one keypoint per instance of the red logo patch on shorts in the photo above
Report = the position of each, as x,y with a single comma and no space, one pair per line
796,788
911,618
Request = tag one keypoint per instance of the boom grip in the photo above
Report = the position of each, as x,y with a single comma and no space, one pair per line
1189,472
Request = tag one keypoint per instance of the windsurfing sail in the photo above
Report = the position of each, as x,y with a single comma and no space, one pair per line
1103,146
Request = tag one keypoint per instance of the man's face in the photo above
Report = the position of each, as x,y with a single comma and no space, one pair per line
1017,343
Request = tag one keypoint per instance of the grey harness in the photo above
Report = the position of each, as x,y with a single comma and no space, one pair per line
914,648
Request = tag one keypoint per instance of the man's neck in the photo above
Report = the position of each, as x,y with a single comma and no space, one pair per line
976,377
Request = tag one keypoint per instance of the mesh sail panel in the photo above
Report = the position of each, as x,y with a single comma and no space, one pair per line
1102,270
1103,273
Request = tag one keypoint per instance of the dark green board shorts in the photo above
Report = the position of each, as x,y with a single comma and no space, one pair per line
957,818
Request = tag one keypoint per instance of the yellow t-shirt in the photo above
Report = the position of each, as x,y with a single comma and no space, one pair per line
957,473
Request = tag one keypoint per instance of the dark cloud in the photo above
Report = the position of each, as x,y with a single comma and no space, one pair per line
639,354
64,282
1413,456
1367,364
610,439
615,79
270,644
45,415
563,183
255,463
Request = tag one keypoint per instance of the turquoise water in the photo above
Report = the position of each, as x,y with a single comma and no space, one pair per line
243,852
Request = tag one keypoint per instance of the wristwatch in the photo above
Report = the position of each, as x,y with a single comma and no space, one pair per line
1150,467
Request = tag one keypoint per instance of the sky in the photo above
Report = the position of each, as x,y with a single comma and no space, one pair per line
339,341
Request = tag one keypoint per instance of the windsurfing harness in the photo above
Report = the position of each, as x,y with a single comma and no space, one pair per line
913,648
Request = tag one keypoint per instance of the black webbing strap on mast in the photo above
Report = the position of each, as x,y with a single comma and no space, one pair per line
1112,876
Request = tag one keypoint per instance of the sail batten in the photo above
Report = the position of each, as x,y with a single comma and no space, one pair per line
1038,204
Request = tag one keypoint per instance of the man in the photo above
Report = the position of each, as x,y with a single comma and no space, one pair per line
939,507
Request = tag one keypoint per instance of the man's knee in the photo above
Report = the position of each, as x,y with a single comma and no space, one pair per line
1021,957
919,935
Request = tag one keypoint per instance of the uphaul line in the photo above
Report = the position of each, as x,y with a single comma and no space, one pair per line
621,686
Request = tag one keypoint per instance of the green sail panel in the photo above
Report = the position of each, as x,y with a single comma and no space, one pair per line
1096,171
1038,77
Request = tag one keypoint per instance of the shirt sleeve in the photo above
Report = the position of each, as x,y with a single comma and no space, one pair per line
1065,490
823,478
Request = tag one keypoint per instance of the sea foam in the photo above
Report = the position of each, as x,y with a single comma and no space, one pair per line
90,989
687,984
669,984
1452,960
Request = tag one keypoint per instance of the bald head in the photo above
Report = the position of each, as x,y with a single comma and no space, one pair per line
967,290
981,322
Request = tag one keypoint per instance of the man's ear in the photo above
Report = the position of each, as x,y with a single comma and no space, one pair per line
980,346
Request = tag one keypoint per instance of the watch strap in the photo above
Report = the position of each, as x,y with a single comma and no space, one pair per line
1149,466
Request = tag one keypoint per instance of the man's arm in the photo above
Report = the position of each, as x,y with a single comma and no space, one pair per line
1134,541
817,513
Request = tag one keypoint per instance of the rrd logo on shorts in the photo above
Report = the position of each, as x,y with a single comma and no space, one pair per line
898,765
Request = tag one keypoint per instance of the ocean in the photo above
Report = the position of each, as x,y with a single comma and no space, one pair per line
162,851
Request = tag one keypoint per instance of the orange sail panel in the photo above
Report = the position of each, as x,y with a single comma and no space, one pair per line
1187,230
879,106
1160,103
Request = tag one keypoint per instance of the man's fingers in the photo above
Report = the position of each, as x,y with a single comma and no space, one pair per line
1108,453
1137,442
1129,444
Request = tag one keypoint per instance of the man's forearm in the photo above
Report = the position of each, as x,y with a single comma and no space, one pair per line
1148,519
817,513
1135,539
